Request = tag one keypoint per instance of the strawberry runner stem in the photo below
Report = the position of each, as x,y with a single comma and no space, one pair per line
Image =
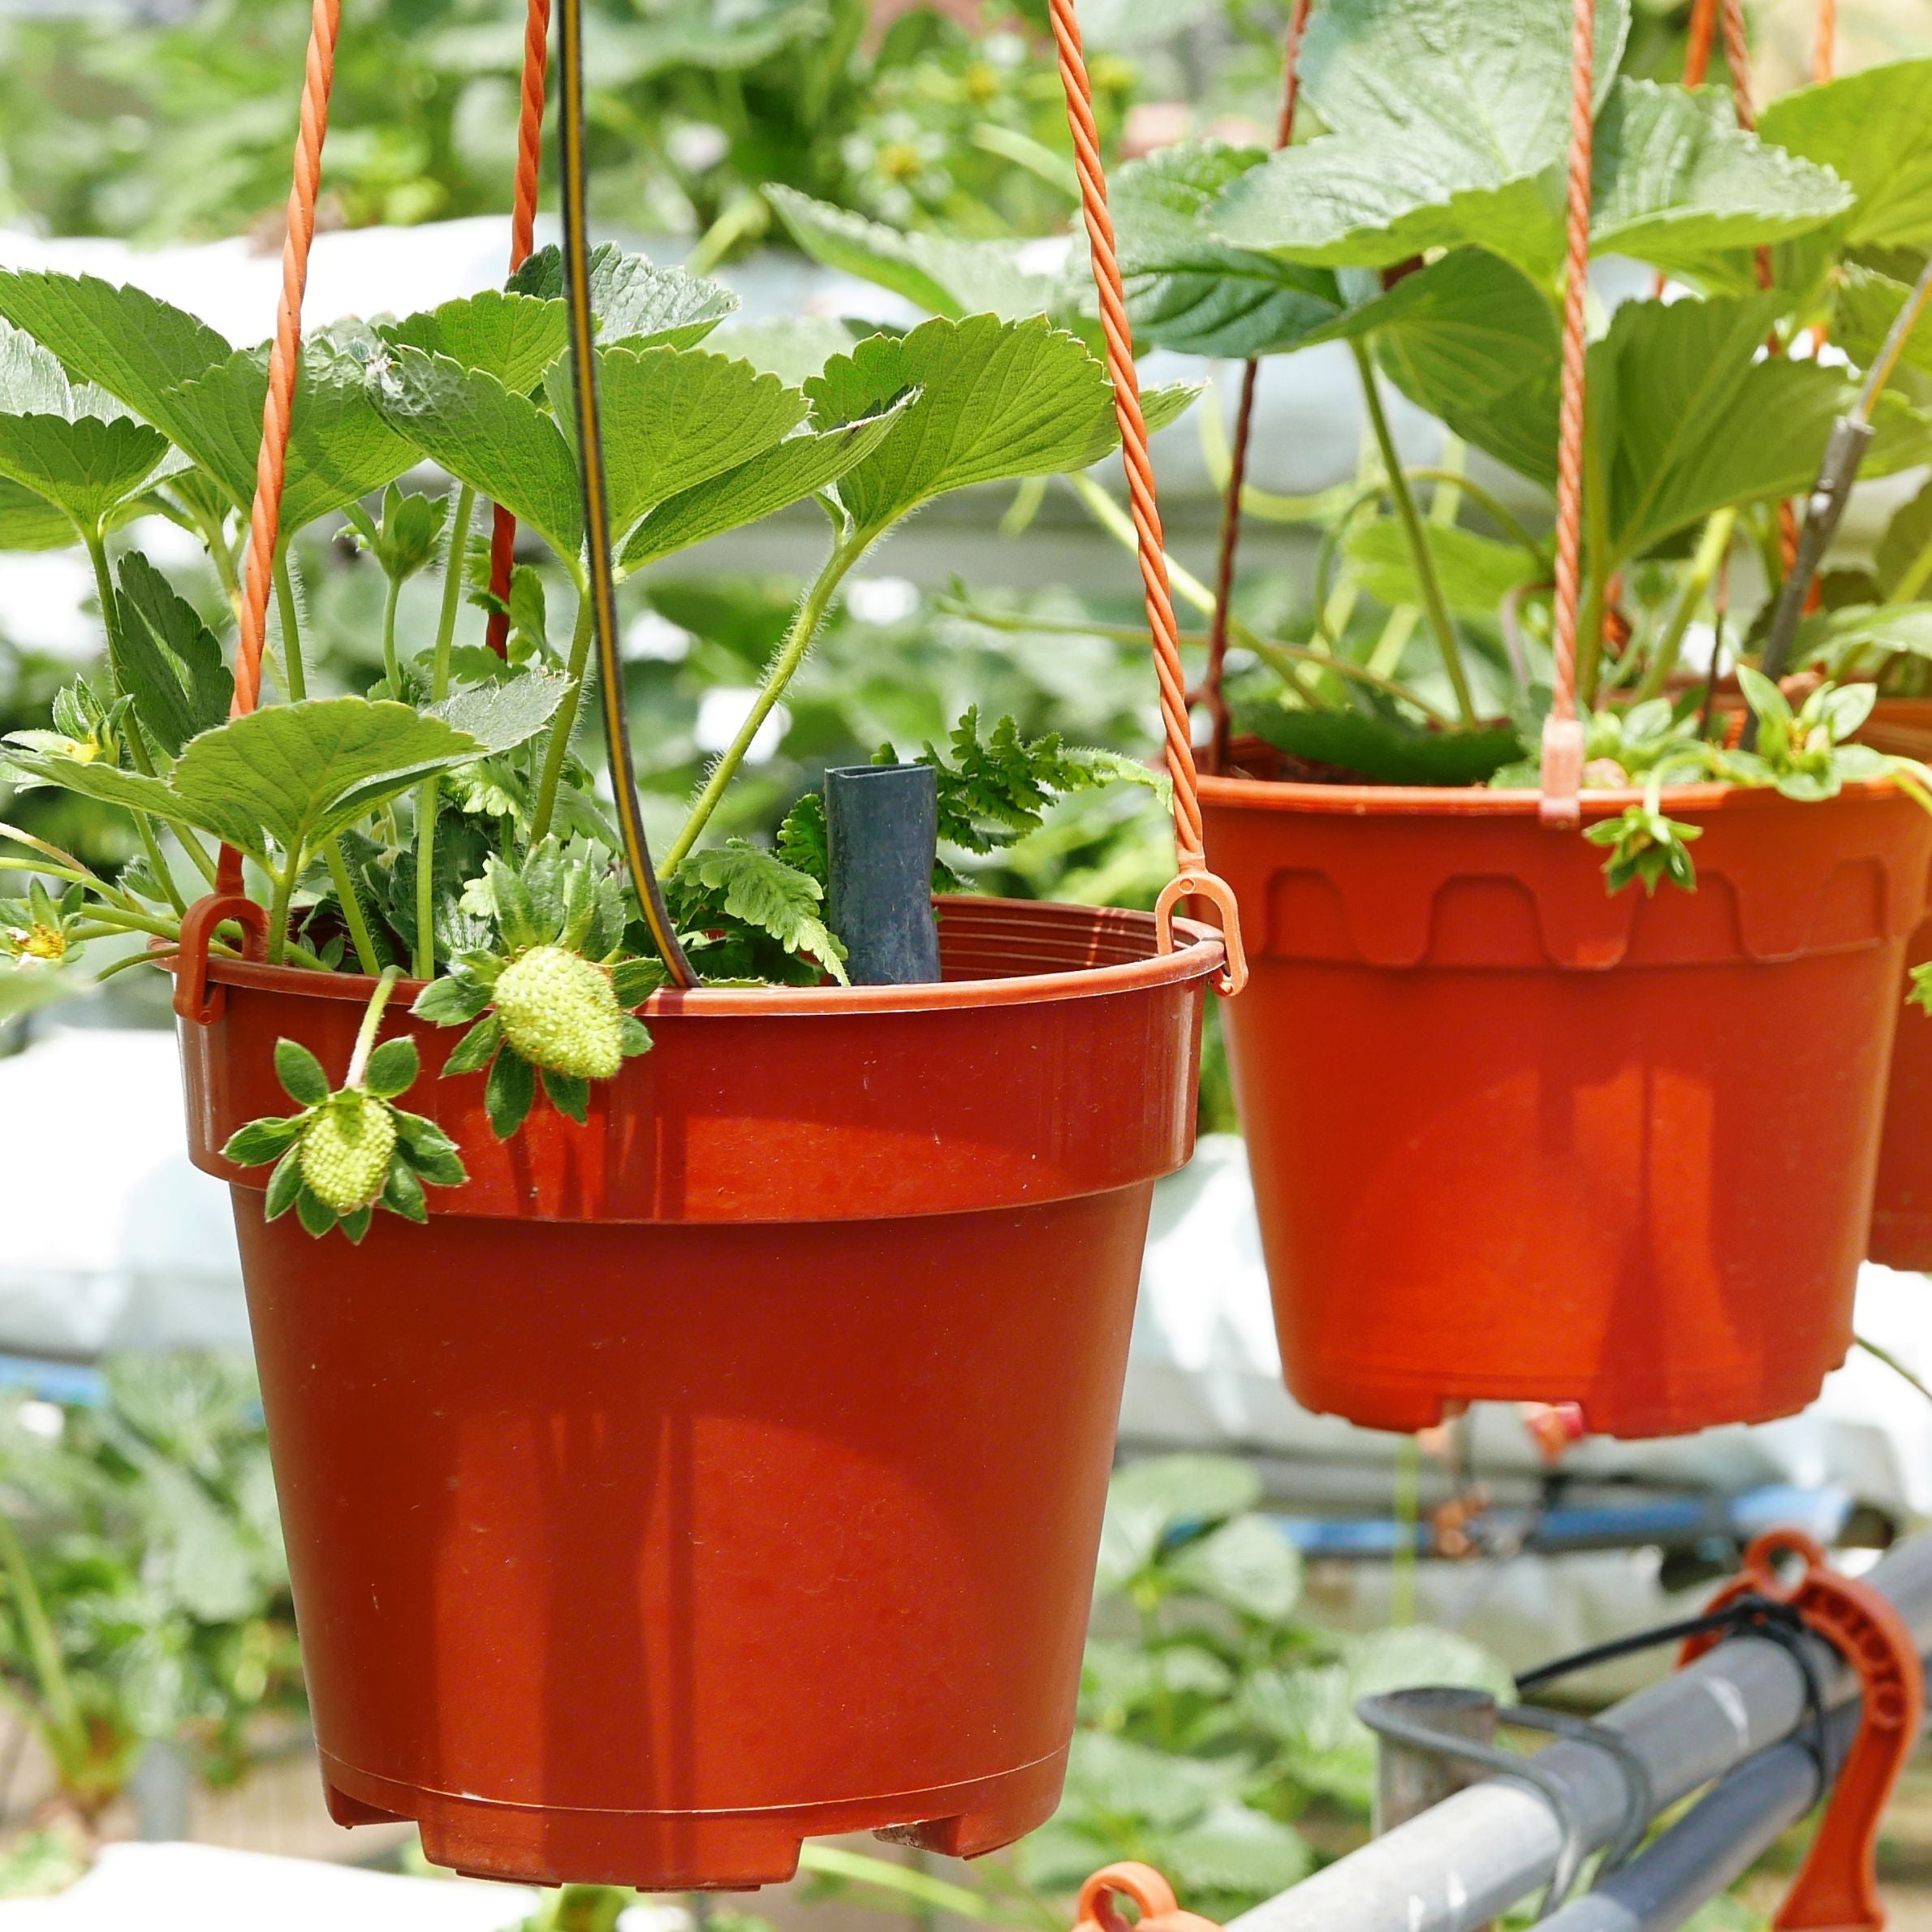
371,1022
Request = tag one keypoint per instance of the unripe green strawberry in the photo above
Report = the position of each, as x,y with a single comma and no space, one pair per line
560,1012
345,1150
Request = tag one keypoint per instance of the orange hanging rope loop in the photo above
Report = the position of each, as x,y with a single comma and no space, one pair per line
1561,808
193,1001
1209,691
523,235
1824,47
1192,875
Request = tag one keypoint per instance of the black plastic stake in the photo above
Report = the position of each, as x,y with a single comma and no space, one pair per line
882,835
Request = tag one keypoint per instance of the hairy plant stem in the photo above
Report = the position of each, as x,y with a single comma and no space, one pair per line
1892,1362
1435,604
332,855
1186,586
1320,506
463,499
137,747
746,215
784,667
1444,506
1589,625
557,747
390,668
295,677
284,884
1914,579
372,1021
1706,560
1270,651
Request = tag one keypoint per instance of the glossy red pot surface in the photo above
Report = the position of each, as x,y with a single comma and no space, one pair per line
730,1470
1514,1138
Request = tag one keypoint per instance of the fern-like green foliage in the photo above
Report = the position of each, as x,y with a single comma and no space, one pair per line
748,913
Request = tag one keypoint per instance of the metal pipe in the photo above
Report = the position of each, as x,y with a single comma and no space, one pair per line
1713,1845
1409,1782
1472,1857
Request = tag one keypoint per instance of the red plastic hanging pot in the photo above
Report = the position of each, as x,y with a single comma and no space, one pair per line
1514,1138
1902,1206
729,1471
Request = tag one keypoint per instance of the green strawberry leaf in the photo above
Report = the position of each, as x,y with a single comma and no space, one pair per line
340,447
1871,129
635,301
1476,572
1379,748
300,1073
135,346
1675,180
1905,550
166,659
1864,305
674,418
285,1184
475,1050
450,1001
498,441
403,1194
261,1141
30,522
996,400
1474,342
33,383
299,772
569,1094
791,348
950,276
1698,420
392,1069
85,466
502,716
1443,115
509,1092
515,338
1188,291
786,473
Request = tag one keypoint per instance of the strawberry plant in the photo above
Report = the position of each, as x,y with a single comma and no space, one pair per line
442,821
1418,220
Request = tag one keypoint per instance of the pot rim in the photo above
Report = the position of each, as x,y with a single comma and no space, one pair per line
1198,953
1480,801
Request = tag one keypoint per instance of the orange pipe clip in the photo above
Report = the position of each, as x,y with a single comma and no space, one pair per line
1160,1911
1837,1886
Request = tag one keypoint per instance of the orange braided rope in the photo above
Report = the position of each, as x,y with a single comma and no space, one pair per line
1192,876
1209,691
1737,57
523,235
285,368
1697,54
1563,731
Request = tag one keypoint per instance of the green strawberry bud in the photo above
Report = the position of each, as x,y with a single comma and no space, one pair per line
346,1149
560,1011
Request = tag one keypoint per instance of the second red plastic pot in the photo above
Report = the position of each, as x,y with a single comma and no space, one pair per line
1514,1138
